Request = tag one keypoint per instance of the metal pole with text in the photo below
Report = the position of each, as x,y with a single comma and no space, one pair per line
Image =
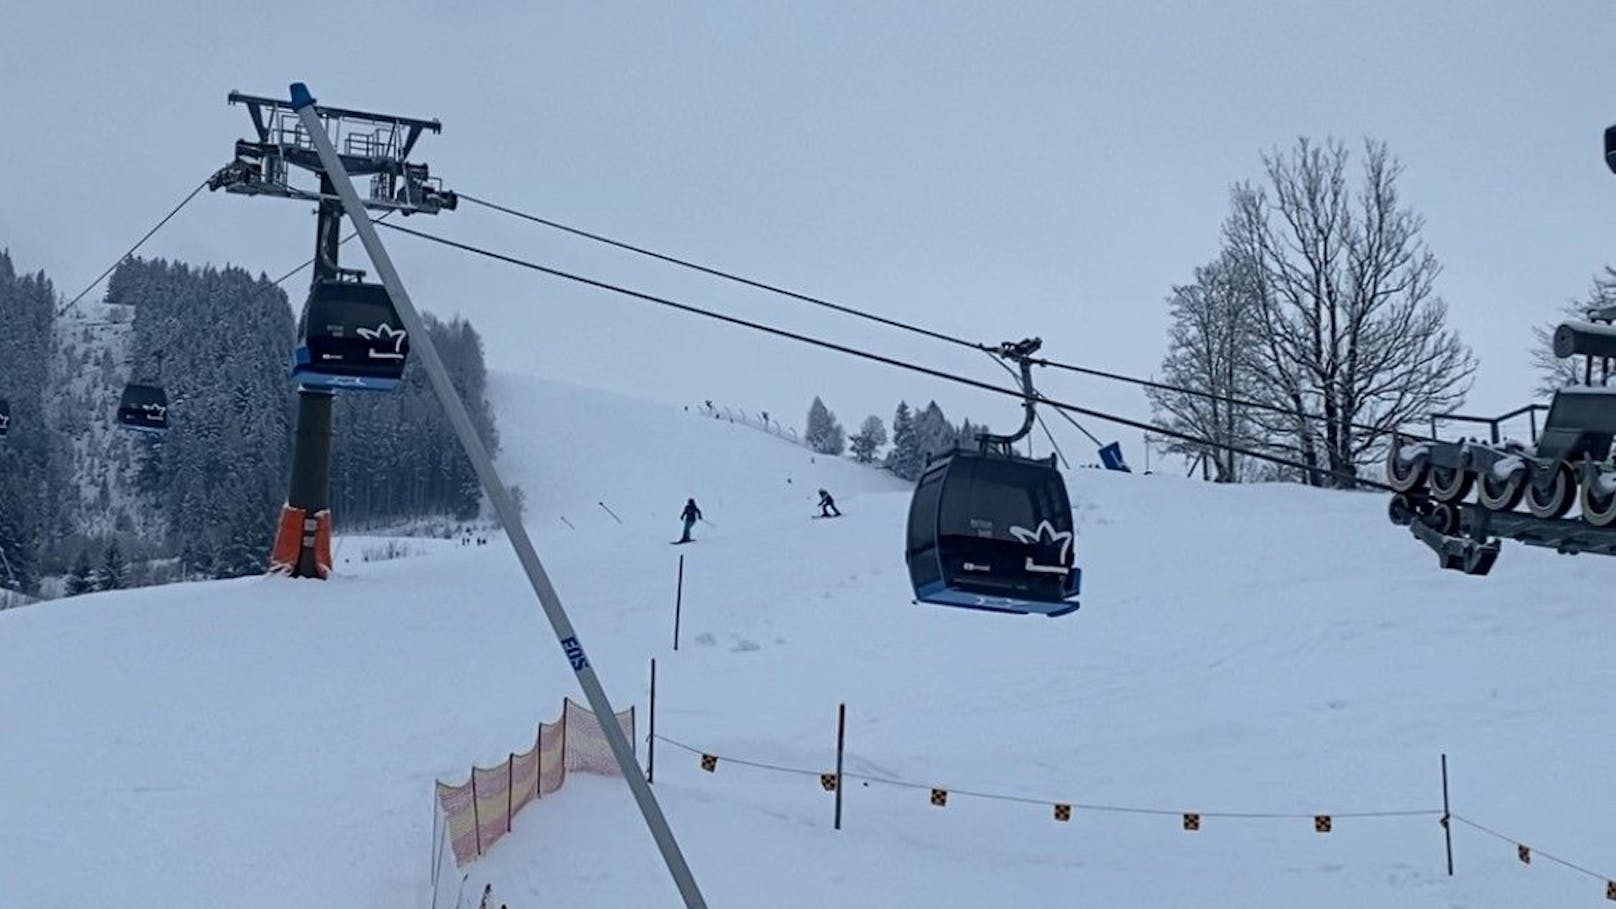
504,505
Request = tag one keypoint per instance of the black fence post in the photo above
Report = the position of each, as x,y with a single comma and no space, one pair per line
1447,816
650,742
476,818
678,601
841,739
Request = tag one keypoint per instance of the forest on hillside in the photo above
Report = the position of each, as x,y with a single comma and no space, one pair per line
107,507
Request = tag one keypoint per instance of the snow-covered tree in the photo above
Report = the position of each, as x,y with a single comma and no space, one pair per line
33,478
905,459
968,432
113,568
836,443
933,433
823,434
1554,373
1353,333
1213,328
82,578
869,439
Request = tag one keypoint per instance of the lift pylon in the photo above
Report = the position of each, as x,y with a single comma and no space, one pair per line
373,145
505,506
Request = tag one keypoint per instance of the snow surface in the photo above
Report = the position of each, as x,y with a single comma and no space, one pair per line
272,743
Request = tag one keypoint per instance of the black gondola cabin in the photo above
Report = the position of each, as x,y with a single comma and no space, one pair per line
350,338
143,408
993,531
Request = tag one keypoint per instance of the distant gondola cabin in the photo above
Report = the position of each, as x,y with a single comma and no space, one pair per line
143,408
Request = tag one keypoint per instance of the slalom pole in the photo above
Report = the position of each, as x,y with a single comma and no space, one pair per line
500,496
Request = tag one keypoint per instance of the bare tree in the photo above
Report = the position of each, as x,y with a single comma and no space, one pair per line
1351,331
1554,373
1214,324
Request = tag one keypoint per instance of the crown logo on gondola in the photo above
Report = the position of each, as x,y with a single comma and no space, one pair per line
5,420
385,332
1046,535
155,411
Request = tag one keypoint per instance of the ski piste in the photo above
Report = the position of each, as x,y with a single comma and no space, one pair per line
1552,475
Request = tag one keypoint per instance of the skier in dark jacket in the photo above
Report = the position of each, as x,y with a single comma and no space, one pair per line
827,506
690,516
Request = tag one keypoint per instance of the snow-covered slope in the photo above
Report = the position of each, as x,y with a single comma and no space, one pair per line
572,448
263,742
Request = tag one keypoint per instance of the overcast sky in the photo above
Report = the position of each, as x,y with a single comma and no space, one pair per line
992,170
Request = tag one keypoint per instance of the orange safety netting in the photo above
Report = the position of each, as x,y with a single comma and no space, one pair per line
524,779
586,747
552,766
458,820
492,802
480,811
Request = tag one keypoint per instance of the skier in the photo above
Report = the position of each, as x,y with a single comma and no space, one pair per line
827,506
690,516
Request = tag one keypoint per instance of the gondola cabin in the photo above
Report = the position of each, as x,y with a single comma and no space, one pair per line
351,339
993,531
5,417
143,408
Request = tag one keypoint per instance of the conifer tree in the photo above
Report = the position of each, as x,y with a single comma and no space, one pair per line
82,578
113,568
823,433
905,459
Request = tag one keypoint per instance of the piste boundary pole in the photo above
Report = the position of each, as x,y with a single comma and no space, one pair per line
504,505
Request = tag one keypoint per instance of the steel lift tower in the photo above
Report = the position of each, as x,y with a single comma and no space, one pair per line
372,145
499,495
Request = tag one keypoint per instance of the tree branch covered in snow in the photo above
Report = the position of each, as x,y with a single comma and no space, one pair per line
1348,329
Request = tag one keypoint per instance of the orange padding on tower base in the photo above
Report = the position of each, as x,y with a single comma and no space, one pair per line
288,545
